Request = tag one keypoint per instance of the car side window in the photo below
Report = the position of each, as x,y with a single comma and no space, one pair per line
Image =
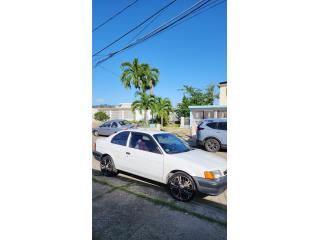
223,126
114,125
120,138
143,142
213,125
104,125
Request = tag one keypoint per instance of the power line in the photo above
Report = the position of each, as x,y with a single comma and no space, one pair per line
201,5
204,9
147,25
143,22
112,17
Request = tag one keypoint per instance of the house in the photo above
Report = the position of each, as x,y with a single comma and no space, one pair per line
223,93
198,113
121,111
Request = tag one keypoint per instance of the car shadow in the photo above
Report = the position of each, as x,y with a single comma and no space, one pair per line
129,178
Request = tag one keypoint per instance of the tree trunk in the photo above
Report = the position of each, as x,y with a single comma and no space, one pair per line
161,121
145,116
151,89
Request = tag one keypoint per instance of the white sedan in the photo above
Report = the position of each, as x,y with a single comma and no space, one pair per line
165,158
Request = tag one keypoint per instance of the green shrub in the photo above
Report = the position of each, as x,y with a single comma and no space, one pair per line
101,116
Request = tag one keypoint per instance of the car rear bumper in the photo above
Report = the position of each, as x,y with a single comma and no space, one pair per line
97,155
199,143
211,187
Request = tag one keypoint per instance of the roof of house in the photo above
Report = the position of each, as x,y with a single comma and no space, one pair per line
225,82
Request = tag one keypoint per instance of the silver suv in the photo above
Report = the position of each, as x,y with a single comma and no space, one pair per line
212,134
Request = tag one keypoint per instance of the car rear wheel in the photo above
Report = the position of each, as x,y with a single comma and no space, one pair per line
182,187
212,145
107,167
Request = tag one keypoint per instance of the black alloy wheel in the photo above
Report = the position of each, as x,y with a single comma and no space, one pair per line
182,187
107,167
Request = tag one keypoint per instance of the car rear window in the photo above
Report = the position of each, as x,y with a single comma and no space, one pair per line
213,125
122,123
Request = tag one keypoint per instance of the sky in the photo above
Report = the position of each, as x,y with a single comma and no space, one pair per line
192,53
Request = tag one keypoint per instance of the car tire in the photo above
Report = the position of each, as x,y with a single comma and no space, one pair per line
95,133
107,167
182,187
212,145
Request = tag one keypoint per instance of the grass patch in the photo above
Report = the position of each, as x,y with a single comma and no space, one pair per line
157,201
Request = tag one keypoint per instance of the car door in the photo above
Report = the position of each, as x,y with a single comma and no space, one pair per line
212,130
144,157
119,148
222,131
113,128
104,129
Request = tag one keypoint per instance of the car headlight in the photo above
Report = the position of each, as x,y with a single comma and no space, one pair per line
212,174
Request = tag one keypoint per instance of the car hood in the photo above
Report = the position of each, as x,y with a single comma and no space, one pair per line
206,160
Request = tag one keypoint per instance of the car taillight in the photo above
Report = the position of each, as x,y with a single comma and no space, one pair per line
94,146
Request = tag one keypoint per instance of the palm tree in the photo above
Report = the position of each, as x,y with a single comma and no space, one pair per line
145,103
162,108
133,74
151,76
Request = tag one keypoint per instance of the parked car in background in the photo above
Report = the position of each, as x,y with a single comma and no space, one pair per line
212,134
113,126
165,158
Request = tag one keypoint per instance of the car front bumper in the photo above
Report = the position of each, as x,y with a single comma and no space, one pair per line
211,187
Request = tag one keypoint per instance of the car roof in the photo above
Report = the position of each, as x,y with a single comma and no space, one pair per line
115,120
148,131
215,120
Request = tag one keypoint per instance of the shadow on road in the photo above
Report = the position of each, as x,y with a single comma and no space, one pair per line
128,178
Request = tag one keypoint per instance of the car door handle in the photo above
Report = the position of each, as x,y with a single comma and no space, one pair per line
128,153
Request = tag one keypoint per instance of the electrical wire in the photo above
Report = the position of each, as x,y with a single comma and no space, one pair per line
201,5
140,24
112,17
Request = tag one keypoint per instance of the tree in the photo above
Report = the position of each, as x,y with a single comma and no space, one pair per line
132,74
195,97
141,76
162,107
151,76
145,103
101,116
183,108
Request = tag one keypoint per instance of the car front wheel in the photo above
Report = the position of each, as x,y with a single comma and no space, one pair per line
212,145
182,187
96,133
107,167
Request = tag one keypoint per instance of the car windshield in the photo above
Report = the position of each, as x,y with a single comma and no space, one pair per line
124,122
171,144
